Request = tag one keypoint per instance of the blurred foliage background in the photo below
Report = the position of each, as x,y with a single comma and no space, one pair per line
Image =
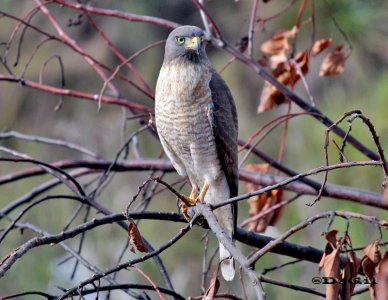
363,85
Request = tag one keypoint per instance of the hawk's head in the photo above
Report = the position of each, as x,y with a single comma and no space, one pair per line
185,42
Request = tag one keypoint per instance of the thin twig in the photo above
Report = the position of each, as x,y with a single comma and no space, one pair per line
290,286
353,115
81,95
297,177
49,141
308,222
205,22
251,30
97,276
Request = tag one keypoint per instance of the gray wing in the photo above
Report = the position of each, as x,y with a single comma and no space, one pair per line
225,128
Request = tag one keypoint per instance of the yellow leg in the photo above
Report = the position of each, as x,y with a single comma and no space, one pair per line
193,199
203,192
193,196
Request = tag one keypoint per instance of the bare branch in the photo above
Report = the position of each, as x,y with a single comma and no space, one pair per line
251,30
119,14
77,94
308,222
297,177
44,140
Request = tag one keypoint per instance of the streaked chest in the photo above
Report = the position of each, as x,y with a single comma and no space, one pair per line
183,100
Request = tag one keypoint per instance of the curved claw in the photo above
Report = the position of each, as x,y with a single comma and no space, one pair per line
193,199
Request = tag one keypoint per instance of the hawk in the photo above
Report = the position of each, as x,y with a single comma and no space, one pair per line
196,120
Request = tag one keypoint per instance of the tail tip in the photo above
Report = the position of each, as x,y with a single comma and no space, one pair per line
227,264
227,269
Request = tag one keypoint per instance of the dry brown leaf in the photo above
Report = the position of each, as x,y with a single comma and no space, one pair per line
135,238
369,267
381,288
276,45
275,60
262,202
302,58
330,262
372,251
279,44
320,46
270,97
350,271
331,237
347,286
333,63
369,264
331,266
290,34
287,74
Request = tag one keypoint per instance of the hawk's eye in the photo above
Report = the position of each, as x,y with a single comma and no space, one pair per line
201,38
180,40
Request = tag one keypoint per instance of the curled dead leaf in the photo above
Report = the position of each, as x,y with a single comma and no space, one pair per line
286,73
331,266
302,59
370,262
275,60
276,45
279,44
372,251
333,63
369,267
262,202
331,244
270,97
320,46
135,239
331,237
331,263
348,273
381,288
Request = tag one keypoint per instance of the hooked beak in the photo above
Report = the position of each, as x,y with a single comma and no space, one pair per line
195,44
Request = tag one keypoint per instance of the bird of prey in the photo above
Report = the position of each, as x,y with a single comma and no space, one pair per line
196,120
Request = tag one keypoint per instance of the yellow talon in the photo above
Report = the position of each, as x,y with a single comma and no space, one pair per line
193,199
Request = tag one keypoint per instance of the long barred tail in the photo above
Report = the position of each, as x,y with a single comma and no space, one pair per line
227,264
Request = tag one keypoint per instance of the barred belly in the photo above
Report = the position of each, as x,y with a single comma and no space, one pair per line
187,131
